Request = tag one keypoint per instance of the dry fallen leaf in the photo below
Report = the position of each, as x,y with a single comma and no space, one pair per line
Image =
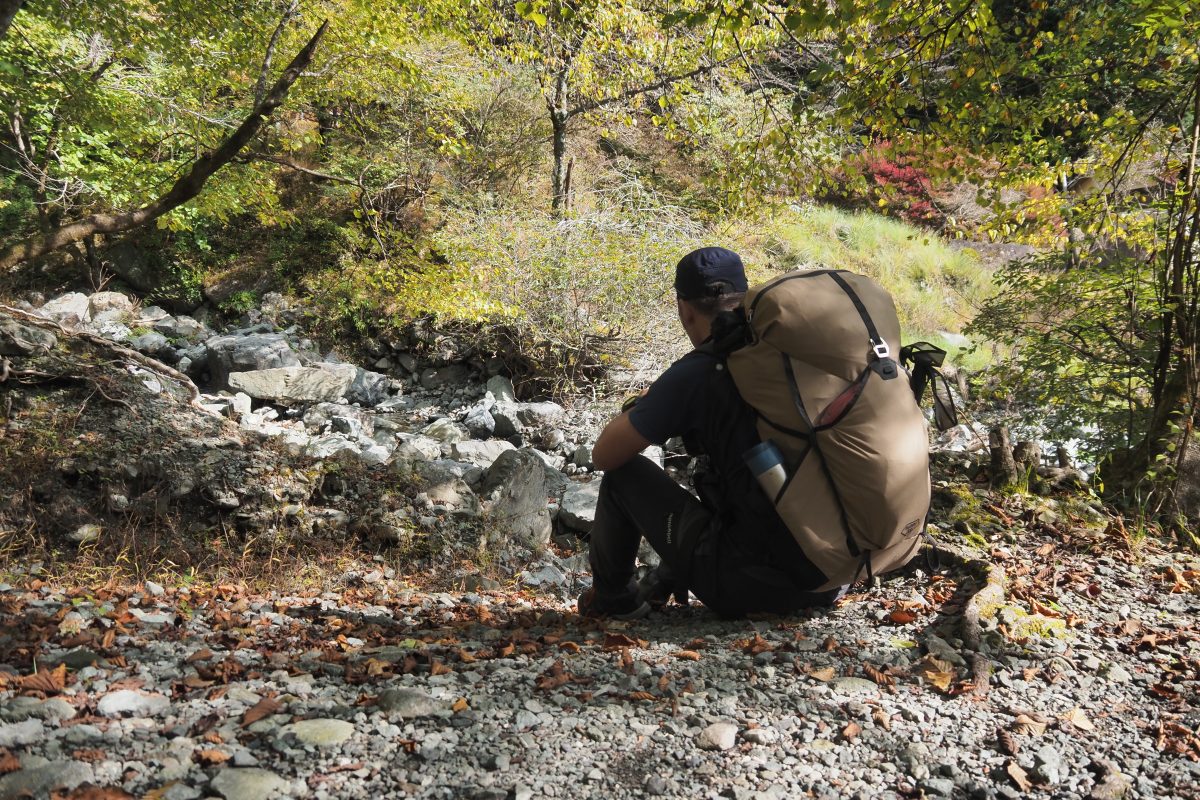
756,645
882,719
49,681
616,641
1019,776
687,655
830,644
1028,726
941,681
196,682
436,667
641,696
263,708
851,731
825,674
460,705
902,617
376,666
8,762
878,675
210,758
1006,742
203,654
1078,719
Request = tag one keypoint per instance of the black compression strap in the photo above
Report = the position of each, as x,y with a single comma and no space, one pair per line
862,309
815,445
795,389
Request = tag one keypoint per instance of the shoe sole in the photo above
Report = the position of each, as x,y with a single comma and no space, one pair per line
638,613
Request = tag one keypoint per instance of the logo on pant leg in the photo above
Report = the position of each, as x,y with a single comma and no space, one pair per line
670,529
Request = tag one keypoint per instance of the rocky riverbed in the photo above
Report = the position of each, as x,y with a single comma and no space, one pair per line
386,690
1037,649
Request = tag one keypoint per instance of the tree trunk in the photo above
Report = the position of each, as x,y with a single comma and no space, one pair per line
8,10
1003,466
559,179
184,189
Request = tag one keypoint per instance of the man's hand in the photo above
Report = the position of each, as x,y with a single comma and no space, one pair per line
618,442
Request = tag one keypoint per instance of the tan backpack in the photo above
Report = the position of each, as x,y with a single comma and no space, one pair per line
819,371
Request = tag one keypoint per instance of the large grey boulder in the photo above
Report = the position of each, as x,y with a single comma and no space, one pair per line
443,482
481,454
324,383
505,420
331,447
540,415
414,448
70,309
368,388
181,328
249,783
578,507
513,418
446,430
321,416
151,343
501,388
260,351
100,302
514,495
39,777
110,324
19,339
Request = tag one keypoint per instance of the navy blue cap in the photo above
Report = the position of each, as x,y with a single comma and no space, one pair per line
709,272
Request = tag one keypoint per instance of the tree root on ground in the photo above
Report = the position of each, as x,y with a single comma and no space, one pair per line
141,359
990,579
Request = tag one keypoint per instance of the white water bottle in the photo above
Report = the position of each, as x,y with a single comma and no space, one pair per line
765,461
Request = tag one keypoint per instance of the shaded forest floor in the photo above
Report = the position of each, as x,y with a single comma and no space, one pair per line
387,688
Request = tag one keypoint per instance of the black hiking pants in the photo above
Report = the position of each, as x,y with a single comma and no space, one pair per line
640,499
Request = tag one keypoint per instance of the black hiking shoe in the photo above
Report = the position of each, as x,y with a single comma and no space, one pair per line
656,589
627,607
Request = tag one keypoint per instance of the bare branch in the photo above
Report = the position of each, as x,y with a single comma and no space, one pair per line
260,87
635,91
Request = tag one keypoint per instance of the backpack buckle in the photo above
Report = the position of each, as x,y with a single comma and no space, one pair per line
881,350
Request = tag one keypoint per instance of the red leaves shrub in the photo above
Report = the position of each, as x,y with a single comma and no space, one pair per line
890,181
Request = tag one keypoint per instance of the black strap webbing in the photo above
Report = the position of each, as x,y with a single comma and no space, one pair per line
814,444
882,364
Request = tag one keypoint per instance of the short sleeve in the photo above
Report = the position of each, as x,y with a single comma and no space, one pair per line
669,407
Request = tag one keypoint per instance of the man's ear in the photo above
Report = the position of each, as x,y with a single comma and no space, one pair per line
687,312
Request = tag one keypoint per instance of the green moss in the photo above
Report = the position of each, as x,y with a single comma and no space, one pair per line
1023,625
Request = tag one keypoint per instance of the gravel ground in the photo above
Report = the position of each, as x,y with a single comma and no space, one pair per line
386,690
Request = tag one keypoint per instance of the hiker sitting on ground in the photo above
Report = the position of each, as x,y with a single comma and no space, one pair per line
731,549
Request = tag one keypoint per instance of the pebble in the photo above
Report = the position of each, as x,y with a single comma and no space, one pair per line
407,703
718,736
248,783
320,732
127,702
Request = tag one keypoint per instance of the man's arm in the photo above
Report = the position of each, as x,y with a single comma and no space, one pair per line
618,442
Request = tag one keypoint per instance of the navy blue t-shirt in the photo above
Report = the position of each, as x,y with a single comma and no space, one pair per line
696,399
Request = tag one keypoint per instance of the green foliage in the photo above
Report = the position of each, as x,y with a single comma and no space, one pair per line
577,291
937,288
1083,345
